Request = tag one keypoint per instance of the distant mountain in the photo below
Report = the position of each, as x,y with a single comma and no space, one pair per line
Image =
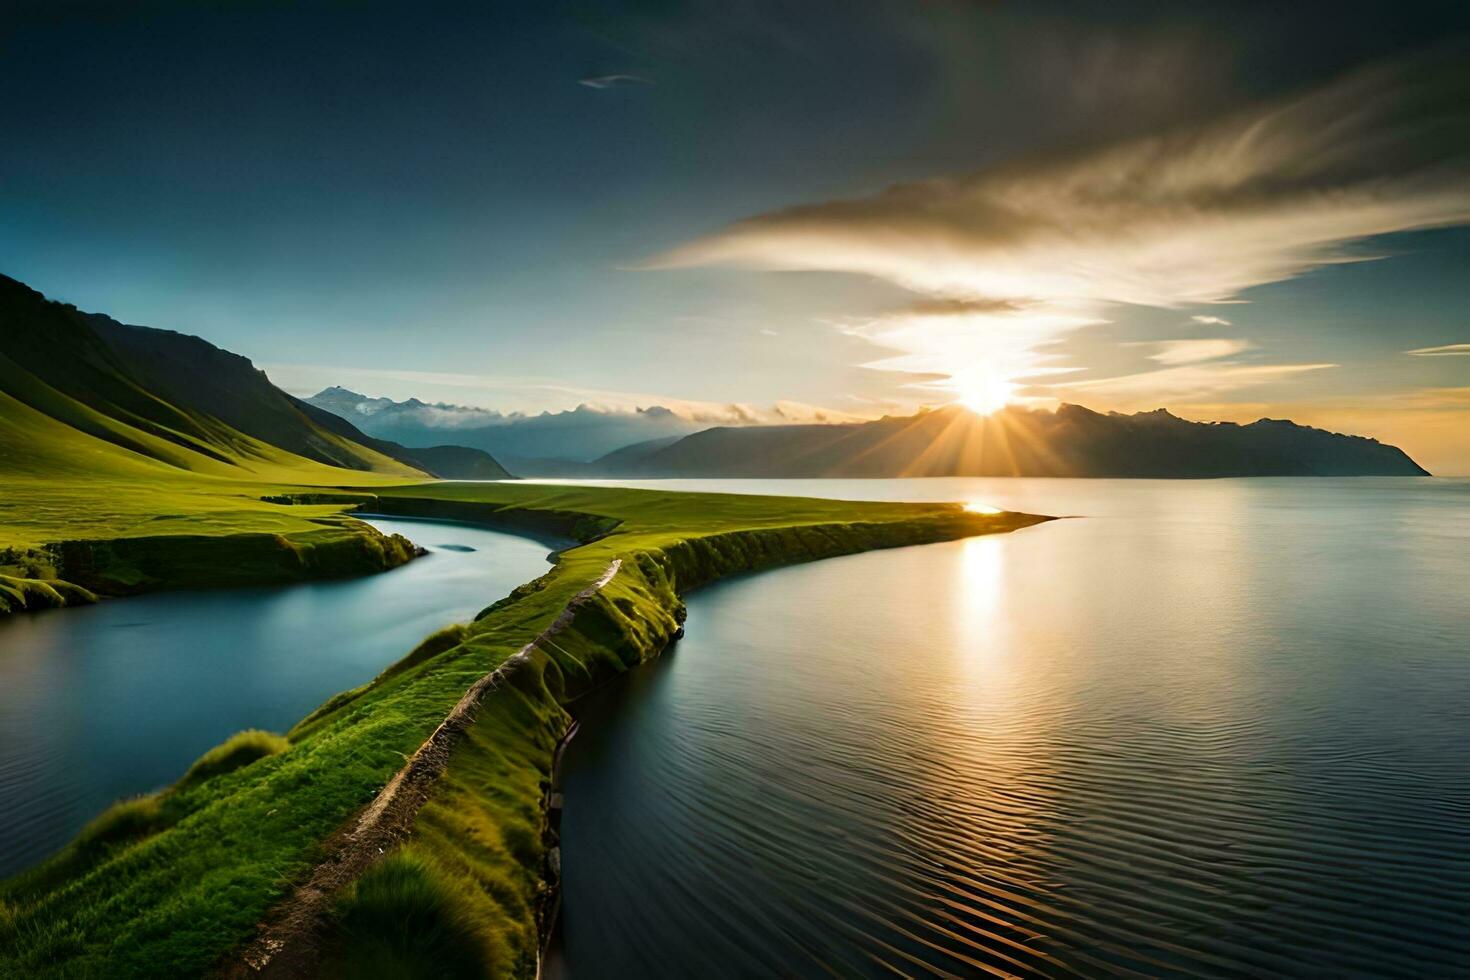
545,444
1072,441
179,399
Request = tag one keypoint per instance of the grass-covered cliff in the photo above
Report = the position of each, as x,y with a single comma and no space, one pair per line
177,884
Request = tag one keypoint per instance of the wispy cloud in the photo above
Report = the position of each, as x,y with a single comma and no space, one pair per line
613,81
797,412
1187,382
1211,321
474,399
1448,350
1194,350
1011,258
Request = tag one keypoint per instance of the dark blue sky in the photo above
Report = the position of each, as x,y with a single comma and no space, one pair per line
424,199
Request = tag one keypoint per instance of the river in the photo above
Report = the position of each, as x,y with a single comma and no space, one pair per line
1206,728
105,701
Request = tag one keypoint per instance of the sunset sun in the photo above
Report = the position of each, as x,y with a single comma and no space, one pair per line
984,395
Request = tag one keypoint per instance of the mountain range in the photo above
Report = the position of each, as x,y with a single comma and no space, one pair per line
82,386
1071,441
97,387
548,444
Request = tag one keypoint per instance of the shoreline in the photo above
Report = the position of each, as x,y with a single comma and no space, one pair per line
290,946
549,913
94,570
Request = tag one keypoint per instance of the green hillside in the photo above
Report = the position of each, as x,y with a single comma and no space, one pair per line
113,433
108,485
192,372
182,401
145,400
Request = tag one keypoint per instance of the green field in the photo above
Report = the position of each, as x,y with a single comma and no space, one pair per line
88,456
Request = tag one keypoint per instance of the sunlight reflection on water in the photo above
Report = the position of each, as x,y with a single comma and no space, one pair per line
1211,727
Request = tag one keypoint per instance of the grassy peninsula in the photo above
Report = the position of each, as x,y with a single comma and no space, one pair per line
176,884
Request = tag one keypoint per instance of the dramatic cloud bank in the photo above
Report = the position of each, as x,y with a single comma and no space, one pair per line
1011,258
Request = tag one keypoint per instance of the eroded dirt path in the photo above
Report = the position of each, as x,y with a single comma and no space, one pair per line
289,941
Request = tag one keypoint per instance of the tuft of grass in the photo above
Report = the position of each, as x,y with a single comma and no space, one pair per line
238,750
402,921
126,820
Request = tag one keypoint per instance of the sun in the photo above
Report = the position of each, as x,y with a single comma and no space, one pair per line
985,394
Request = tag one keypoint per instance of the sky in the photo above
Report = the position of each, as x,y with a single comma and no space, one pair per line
848,208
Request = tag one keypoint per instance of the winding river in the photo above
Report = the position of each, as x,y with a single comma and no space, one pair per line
1213,728
105,701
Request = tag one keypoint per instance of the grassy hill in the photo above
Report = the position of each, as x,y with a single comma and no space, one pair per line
106,484
182,401
160,445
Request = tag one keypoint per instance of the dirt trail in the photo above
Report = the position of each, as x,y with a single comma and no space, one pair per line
288,943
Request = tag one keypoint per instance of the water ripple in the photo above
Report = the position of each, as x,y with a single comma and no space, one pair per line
1227,743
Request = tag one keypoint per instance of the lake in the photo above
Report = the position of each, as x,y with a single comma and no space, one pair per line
1206,728
105,701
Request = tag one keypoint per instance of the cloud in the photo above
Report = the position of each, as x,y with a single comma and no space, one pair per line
452,391
800,412
1185,382
1011,258
1191,351
1211,321
1190,216
614,81
768,332
1448,350
951,352
952,306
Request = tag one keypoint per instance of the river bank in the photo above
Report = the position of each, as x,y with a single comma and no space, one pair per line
78,572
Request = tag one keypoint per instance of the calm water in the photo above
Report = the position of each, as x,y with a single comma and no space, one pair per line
116,699
1212,728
